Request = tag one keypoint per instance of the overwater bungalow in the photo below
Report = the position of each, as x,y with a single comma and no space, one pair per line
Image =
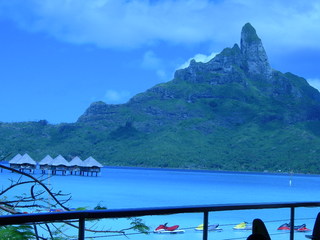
45,164
59,164
26,163
90,165
75,164
14,161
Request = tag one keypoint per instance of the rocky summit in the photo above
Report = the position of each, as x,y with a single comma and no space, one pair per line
236,87
255,58
232,113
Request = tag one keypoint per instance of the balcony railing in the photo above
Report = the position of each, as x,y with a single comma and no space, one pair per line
81,216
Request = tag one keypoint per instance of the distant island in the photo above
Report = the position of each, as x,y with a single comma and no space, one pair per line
232,113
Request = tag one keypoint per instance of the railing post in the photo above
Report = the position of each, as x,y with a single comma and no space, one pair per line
205,225
292,223
81,228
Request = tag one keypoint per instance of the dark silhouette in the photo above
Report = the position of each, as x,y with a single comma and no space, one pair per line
256,236
316,229
259,231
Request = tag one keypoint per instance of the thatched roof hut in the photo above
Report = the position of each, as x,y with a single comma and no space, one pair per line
26,159
45,164
75,165
91,162
26,163
91,165
59,164
76,161
14,161
46,161
60,161
16,158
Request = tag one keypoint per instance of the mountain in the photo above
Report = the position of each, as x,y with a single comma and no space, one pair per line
235,87
232,113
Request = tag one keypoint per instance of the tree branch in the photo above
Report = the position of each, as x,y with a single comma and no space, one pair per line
39,182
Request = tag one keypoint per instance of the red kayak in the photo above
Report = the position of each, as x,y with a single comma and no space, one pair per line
284,226
163,228
166,228
302,228
299,228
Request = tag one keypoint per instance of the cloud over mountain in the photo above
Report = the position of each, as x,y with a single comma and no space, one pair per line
314,83
112,96
134,23
198,58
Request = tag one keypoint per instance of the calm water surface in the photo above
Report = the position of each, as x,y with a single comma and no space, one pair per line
131,188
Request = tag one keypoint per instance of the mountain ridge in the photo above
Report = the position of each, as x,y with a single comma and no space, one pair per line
232,113
245,70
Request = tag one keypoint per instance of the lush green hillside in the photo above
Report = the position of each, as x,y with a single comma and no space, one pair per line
233,113
249,147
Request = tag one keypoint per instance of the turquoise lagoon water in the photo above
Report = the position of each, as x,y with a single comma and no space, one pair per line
135,188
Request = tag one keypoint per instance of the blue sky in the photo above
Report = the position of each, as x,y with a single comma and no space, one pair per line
59,56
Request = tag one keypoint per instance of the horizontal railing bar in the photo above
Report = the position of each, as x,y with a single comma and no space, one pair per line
137,212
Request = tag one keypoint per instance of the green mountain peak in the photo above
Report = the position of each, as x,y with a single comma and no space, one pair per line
231,113
249,34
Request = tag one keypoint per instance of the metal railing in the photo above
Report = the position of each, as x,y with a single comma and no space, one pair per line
81,216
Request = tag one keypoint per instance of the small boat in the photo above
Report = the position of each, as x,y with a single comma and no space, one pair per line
56,210
243,226
214,227
298,228
163,228
302,228
285,226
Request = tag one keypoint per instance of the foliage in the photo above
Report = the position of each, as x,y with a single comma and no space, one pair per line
99,207
22,232
138,225
123,132
193,144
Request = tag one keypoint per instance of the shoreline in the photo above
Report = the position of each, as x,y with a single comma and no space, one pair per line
203,170
212,171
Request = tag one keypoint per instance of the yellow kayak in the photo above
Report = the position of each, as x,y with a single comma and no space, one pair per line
214,227
242,226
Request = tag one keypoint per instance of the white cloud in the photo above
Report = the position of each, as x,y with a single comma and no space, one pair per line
111,23
162,75
151,61
116,97
314,82
198,58
135,23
